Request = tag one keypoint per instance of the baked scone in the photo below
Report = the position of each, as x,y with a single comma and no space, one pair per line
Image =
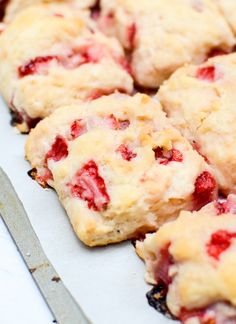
192,261
200,101
118,167
51,56
164,34
11,7
228,8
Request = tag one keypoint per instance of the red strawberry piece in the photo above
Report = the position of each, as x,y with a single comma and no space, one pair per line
200,314
59,15
163,265
123,124
58,151
77,129
165,157
43,179
37,65
117,124
205,186
206,74
126,153
90,187
220,241
131,33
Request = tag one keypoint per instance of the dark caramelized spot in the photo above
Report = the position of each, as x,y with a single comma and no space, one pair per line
3,6
157,299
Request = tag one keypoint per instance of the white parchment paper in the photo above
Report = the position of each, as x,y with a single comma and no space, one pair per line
107,282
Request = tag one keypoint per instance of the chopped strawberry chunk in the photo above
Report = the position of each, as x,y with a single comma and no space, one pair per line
126,153
224,206
115,124
206,74
220,241
37,65
165,157
59,15
123,124
43,179
131,33
205,187
58,151
162,268
90,187
200,314
77,129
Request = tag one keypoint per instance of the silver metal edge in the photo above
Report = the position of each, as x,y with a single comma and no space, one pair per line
60,301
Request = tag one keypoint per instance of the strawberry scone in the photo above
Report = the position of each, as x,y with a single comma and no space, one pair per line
191,261
200,101
228,8
119,168
162,35
51,56
10,8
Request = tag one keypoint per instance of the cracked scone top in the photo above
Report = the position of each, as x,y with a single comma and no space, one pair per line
119,168
200,101
52,56
228,8
163,35
12,7
192,260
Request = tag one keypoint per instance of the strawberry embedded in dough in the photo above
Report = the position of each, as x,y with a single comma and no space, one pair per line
131,33
38,65
117,124
58,151
77,129
164,157
89,186
200,314
220,241
205,189
126,153
162,268
206,74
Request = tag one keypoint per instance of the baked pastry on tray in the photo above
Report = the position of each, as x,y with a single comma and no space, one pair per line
200,101
119,168
12,7
52,56
162,35
192,261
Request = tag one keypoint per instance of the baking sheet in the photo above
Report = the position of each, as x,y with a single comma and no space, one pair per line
107,282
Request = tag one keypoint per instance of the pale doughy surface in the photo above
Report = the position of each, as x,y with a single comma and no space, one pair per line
77,60
228,8
143,192
201,275
163,35
15,6
204,111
